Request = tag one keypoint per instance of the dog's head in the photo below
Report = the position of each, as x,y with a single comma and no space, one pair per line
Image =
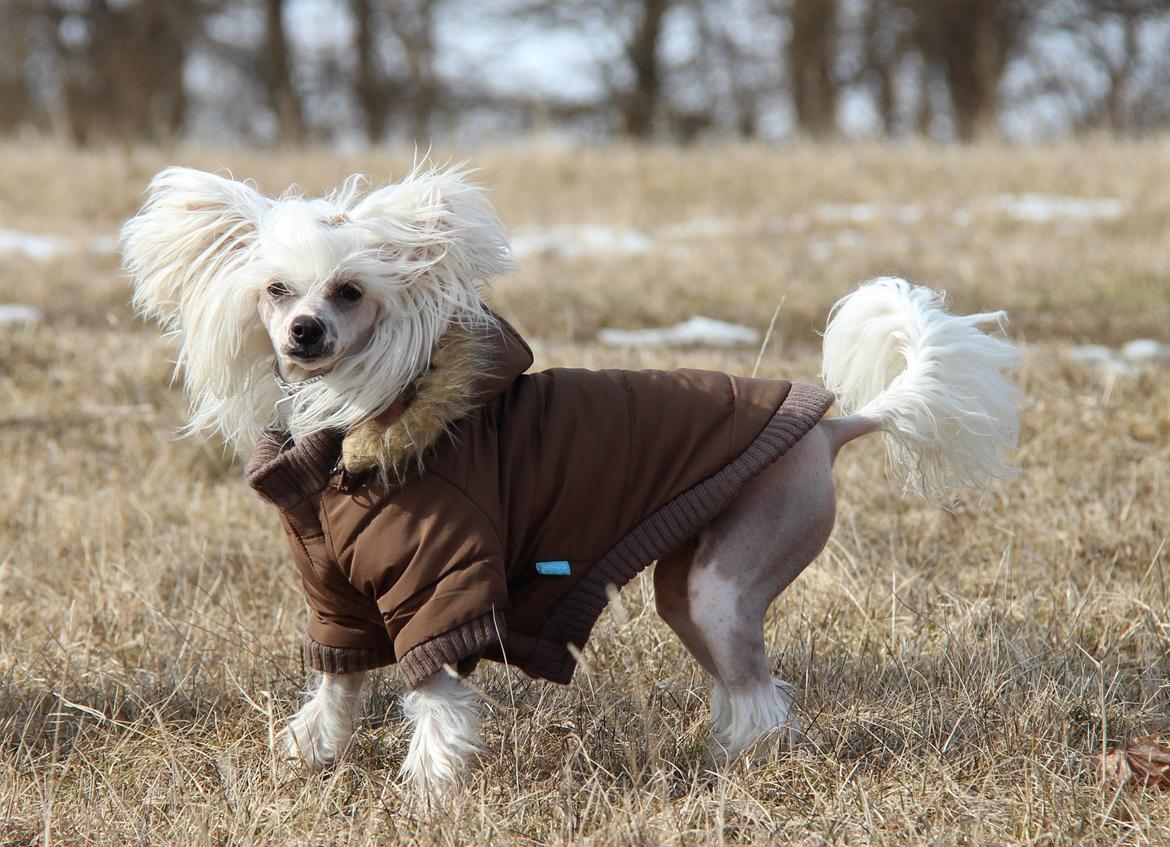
355,287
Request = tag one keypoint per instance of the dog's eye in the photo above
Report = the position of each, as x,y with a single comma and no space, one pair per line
350,293
278,289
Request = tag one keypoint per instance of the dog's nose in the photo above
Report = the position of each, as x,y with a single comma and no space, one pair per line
307,331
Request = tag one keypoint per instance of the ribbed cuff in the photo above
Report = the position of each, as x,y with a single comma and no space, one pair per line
451,648
326,659
288,477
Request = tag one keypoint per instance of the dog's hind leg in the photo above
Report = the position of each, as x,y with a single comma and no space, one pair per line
318,733
744,559
673,605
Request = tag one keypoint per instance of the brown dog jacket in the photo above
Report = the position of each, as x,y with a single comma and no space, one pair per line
487,511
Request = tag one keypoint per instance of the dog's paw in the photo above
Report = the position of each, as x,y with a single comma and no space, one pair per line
759,724
311,740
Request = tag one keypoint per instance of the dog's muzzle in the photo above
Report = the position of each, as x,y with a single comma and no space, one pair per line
308,339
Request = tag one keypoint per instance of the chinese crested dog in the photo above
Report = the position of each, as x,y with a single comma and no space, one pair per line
444,505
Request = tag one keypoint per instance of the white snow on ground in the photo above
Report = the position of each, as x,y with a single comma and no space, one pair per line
860,213
1145,350
103,244
1044,208
16,313
582,240
43,248
823,248
47,248
575,241
1127,360
700,228
697,332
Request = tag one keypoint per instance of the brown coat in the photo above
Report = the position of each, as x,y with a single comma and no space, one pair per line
603,470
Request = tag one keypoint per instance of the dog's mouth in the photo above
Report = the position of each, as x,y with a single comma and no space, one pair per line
307,353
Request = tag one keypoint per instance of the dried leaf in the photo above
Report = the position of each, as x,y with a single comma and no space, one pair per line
1144,761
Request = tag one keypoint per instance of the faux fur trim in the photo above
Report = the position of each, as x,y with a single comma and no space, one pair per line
396,441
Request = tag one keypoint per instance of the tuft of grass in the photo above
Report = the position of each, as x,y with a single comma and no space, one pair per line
957,668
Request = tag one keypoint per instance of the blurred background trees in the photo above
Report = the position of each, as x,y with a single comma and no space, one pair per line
353,72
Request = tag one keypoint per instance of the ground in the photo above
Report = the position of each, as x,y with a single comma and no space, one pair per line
957,667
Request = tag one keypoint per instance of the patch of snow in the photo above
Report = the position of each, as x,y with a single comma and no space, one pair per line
103,244
48,248
962,216
43,248
1123,362
696,332
17,313
1145,350
700,228
848,213
823,248
1091,354
860,213
582,240
1043,208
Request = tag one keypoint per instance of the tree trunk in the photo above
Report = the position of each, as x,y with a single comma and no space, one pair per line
810,64
369,88
639,107
277,75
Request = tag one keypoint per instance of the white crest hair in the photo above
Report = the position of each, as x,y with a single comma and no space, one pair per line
937,383
203,249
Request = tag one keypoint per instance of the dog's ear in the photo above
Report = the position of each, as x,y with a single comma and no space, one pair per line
436,224
191,232
188,251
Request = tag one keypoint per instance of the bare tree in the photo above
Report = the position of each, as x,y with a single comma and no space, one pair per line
395,75
811,53
639,104
968,43
273,66
119,67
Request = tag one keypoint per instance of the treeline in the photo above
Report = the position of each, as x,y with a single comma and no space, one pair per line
297,71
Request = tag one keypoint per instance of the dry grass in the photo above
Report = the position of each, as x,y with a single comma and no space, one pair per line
957,668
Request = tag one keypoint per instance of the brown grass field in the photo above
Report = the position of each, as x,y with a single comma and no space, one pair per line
958,668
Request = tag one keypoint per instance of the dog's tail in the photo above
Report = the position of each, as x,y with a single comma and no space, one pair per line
934,383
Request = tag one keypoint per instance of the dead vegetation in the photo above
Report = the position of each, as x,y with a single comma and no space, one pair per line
959,669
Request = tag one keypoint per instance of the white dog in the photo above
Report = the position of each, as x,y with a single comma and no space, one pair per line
341,339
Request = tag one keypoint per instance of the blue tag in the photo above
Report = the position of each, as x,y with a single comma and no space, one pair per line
553,568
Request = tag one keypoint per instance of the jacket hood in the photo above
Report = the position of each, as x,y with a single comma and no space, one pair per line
468,369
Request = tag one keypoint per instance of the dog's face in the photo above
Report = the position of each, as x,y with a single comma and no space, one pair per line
311,330
355,286
317,307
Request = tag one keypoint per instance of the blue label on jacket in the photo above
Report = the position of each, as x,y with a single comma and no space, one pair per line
553,568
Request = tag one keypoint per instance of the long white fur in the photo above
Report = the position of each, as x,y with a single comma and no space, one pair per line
446,715
204,248
740,719
319,732
937,383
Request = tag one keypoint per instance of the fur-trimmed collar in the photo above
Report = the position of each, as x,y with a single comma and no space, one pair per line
467,369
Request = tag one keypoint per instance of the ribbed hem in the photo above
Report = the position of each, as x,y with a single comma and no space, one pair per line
453,647
668,527
286,474
325,659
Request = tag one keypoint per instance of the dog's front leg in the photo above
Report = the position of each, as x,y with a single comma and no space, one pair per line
445,714
318,733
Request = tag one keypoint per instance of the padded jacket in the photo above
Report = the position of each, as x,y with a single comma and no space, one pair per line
488,511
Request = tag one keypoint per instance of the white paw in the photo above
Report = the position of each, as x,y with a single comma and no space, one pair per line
446,741
318,734
762,720
305,742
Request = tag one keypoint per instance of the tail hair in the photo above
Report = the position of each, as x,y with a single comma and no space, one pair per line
937,383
